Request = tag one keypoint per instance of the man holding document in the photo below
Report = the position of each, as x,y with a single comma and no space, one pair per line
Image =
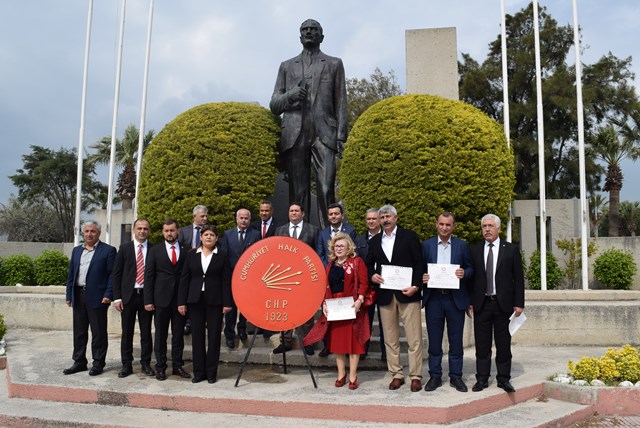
448,267
395,268
497,293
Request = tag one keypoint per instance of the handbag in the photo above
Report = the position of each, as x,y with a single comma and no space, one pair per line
370,295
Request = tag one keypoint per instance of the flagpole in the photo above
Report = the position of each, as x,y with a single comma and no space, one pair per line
541,166
114,125
583,181
143,113
83,108
505,99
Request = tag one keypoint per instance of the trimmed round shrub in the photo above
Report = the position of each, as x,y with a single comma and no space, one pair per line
3,327
18,269
222,155
554,273
424,155
51,268
615,269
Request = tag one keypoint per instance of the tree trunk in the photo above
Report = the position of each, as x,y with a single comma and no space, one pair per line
614,212
127,204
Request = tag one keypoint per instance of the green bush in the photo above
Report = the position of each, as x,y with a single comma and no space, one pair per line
554,273
18,269
425,154
3,328
222,155
615,269
51,268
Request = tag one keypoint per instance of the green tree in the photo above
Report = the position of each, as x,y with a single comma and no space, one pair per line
126,157
425,154
629,218
363,93
607,146
572,250
17,220
597,203
51,175
221,155
608,93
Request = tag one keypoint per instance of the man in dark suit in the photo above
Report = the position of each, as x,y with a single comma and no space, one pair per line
311,92
397,246
162,280
446,305
189,236
266,225
335,216
498,292
306,232
236,241
89,293
372,221
128,286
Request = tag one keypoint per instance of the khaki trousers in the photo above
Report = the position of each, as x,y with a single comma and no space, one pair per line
411,317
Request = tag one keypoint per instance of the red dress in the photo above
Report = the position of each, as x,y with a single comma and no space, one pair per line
349,336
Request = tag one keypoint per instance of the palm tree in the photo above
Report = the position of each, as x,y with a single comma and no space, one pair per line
630,214
596,203
607,146
126,157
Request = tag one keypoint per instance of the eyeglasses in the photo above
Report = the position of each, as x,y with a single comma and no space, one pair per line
340,246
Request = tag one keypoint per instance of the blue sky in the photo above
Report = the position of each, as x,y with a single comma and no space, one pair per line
211,50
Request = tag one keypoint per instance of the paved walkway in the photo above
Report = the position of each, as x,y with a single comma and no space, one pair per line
265,395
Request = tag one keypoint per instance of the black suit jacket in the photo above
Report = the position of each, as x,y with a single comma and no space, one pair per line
161,278
406,252
231,245
271,230
509,277
185,237
308,235
124,271
217,280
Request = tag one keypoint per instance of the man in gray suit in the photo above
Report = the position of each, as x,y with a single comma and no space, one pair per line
306,232
311,92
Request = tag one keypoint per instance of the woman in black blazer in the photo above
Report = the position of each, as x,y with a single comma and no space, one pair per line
205,292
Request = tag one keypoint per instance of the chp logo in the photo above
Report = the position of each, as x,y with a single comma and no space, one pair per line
279,283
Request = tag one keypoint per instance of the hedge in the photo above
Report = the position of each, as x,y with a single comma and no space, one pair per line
51,268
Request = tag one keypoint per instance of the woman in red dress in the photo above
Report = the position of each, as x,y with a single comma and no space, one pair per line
347,277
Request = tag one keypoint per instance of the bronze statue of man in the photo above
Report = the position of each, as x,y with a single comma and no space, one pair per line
311,92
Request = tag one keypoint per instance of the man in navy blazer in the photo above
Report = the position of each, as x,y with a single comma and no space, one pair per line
311,92
89,293
335,216
446,305
498,292
236,241
161,283
397,246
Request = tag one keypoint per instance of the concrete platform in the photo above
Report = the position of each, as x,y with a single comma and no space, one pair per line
36,388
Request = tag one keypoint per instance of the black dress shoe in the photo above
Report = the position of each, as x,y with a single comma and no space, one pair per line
230,343
76,368
146,369
433,384
161,375
95,371
267,334
281,348
125,371
212,379
506,386
242,335
197,379
458,384
180,372
479,386
325,353
309,350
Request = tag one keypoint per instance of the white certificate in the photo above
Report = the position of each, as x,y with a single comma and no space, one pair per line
443,276
516,322
396,277
340,308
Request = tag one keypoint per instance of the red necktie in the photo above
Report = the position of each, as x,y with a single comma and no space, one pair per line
140,266
174,259
264,229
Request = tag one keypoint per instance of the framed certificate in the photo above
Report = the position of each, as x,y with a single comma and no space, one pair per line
340,308
396,277
443,276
